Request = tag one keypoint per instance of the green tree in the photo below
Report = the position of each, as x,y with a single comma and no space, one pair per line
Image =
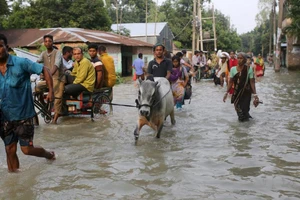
3,8
89,14
257,40
130,11
3,11
294,13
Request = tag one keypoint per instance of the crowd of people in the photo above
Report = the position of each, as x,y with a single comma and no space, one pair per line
238,72
63,79
71,78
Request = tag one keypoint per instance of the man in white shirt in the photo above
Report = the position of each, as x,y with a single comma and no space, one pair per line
67,58
202,59
195,60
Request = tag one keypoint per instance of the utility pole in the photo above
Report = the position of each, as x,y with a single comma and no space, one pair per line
200,19
155,17
117,16
278,45
214,28
146,21
271,32
274,30
194,26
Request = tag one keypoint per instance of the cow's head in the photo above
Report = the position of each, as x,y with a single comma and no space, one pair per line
146,96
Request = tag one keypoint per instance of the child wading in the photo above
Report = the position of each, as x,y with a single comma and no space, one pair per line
179,79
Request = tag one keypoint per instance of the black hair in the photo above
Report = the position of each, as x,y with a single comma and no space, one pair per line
195,52
3,37
176,58
200,51
158,45
167,54
140,55
102,48
179,54
48,36
93,46
67,49
183,51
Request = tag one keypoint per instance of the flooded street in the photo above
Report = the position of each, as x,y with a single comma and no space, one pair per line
208,154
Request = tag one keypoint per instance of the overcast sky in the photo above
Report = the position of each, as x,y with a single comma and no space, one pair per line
241,12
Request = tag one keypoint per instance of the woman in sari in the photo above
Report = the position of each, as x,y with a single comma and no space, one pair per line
178,79
242,77
259,66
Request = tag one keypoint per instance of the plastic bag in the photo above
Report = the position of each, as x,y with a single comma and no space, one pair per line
134,76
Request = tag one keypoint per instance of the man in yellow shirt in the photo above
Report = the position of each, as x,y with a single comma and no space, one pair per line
83,74
109,68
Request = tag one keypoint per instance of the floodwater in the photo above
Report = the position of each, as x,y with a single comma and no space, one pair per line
208,154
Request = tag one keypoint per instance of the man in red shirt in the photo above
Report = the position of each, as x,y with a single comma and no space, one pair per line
233,60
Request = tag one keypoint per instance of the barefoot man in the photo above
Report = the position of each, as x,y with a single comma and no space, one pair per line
16,105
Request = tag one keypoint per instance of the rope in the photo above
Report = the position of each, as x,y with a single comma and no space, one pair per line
139,105
183,28
117,104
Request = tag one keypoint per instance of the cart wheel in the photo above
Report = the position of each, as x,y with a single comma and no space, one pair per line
101,106
47,119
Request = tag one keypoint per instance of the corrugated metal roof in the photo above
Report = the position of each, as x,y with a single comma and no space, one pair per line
139,29
25,54
31,37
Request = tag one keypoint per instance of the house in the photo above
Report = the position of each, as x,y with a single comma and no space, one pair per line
123,49
152,33
287,52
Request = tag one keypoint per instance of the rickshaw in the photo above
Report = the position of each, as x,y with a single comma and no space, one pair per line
95,104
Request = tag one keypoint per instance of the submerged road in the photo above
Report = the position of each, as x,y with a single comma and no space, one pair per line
208,154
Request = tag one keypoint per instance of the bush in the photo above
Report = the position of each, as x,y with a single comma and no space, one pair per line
177,44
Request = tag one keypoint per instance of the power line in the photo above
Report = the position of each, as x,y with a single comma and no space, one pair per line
183,28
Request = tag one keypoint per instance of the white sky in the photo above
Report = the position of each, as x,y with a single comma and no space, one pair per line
241,12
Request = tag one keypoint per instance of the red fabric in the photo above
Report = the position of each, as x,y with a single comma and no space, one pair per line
259,70
232,62
231,90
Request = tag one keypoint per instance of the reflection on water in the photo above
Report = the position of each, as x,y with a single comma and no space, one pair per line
208,154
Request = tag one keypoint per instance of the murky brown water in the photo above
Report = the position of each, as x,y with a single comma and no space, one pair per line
208,154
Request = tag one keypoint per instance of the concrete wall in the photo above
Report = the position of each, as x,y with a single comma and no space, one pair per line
115,51
147,54
293,53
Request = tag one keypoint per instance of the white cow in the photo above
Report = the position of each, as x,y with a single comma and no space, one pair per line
156,103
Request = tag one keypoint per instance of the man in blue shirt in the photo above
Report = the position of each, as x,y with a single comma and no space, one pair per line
138,65
16,105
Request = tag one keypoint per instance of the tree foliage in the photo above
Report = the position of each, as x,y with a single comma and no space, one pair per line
265,9
3,8
227,37
293,8
257,41
92,14
179,15
3,11
89,14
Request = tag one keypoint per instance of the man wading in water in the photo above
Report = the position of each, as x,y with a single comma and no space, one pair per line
16,104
